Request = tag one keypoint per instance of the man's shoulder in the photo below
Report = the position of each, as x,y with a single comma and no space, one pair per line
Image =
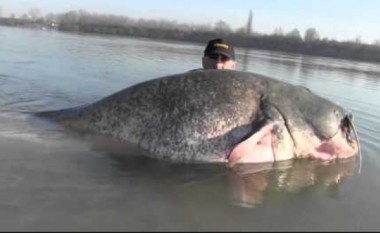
195,70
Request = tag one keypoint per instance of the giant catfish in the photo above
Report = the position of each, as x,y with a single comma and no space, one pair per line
219,116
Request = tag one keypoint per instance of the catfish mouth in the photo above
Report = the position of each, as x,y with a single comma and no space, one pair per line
343,144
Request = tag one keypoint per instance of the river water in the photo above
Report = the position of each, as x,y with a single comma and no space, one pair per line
51,179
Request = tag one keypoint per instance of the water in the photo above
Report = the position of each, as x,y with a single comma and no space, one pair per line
51,179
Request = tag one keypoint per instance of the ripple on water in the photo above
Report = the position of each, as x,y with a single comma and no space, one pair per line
26,127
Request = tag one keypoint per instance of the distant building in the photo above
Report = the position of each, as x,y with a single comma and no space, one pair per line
249,23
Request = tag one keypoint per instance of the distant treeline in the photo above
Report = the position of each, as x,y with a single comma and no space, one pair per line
310,43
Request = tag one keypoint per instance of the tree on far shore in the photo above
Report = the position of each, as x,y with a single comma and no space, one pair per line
311,35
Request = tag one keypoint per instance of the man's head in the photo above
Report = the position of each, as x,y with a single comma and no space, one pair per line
219,55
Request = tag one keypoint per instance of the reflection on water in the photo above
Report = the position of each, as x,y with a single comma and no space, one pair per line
251,183
247,185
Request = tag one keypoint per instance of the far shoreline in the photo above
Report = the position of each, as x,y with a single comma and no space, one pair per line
352,51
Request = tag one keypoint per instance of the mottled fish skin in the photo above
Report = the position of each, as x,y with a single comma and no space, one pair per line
199,115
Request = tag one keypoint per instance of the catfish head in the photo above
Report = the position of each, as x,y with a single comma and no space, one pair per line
298,124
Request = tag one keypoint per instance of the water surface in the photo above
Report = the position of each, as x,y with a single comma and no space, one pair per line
52,179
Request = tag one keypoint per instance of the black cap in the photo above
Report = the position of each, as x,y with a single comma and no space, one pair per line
219,46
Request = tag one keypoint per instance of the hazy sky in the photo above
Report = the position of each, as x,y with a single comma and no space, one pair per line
335,19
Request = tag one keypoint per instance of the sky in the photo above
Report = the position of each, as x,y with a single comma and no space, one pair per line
334,19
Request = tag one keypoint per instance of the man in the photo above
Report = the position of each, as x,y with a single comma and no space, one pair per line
219,55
